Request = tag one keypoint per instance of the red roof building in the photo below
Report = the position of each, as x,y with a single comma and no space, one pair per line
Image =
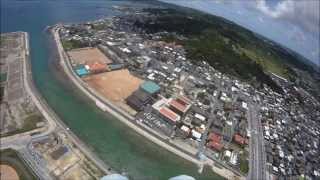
169,114
239,139
214,137
215,141
97,67
180,105
215,146
184,100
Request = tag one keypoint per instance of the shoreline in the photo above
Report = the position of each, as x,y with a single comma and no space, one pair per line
107,106
53,121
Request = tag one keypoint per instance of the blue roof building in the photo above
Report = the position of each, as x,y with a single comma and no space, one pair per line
115,66
82,71
150,87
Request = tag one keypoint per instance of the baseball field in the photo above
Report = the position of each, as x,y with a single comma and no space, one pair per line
88,56
115,85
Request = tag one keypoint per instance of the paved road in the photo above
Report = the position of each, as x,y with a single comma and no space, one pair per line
256,146
212,116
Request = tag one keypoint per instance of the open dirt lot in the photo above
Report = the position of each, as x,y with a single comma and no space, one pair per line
115,85
76,172
8,173
88,56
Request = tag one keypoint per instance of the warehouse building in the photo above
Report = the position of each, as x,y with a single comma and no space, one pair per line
134,103
138,100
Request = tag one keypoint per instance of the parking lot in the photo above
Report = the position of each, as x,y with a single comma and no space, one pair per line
155,122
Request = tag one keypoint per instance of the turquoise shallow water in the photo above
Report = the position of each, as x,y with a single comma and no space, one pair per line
113,142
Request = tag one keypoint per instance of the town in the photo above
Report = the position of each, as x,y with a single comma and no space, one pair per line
193,106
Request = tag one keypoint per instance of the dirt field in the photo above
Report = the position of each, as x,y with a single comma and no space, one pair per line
8,173
115,85
88,56
75,172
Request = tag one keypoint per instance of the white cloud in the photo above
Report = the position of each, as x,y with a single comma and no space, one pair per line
303,13
293,23
281,8
261,19
297,35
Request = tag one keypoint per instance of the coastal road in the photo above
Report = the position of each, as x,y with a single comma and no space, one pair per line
256,146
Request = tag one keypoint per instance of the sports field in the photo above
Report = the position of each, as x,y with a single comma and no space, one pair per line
114,85
12,166
8,173
88,56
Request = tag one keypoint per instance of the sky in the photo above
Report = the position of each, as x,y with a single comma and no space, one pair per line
292,23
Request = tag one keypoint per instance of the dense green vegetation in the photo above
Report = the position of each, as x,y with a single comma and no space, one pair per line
3,77
72,44
244,164
1,93
11,158
223,44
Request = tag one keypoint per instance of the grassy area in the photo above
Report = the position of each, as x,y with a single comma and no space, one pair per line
3,77
72,44
100,26
302,178
11,158
269,63
244,163
29,124
31,121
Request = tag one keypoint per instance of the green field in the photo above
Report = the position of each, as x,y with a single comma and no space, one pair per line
11,158
72,44
269,63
